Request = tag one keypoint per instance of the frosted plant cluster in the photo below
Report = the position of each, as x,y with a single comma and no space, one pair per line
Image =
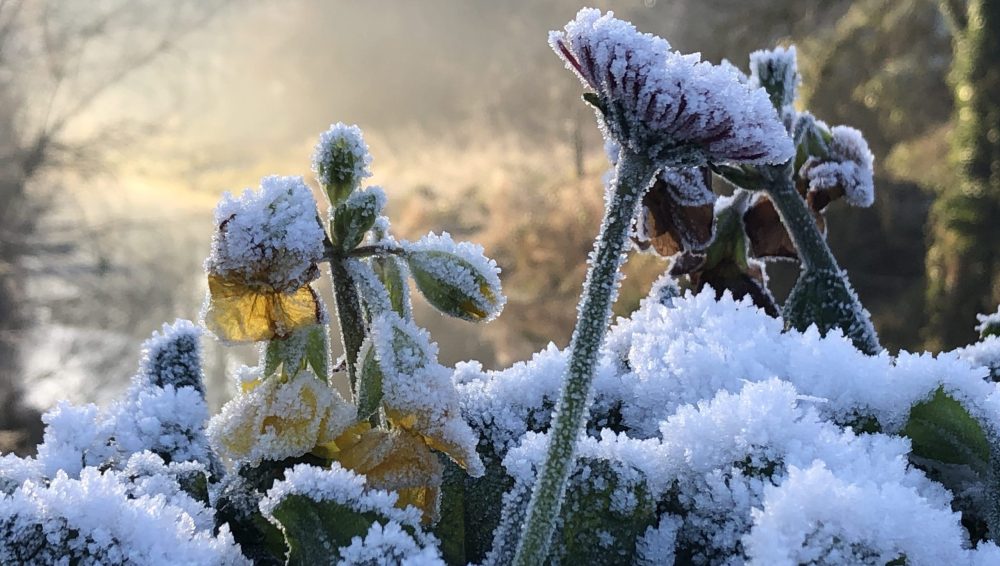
665,105
268,238
746,435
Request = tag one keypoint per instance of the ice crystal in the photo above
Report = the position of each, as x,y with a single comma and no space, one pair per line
269,238
669,107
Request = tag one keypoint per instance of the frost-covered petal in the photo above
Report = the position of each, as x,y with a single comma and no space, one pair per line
670,107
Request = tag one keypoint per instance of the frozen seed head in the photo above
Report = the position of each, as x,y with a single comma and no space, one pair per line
268,239
777,72
341,160
847,168
672,108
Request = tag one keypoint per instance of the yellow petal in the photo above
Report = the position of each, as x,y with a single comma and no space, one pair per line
411,424
397,461
240,313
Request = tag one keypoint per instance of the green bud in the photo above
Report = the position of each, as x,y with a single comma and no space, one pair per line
355,216
825,299
456,286
776,71
341,161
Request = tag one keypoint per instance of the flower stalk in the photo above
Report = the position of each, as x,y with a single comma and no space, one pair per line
634,175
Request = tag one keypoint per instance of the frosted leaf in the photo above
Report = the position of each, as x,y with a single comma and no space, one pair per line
418,393
989,324
94,519
172,356
341,158
275,419
339,485
455,277
269,239
985,353
815,517
848,167
776,71
669,107
148,475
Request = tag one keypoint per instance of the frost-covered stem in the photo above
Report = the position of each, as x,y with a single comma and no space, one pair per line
634,175
352,321
798,220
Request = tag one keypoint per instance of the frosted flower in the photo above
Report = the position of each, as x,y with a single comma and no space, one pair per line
278,419
264,254
677,213
669,107
846,169
341,160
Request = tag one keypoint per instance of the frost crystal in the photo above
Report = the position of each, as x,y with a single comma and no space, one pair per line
276,419
847,167
670,107
341,156
269,239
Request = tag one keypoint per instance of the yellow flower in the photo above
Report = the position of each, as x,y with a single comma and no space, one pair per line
394,460
278,419
238,312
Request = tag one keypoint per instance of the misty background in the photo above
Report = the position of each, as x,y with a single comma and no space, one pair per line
122,122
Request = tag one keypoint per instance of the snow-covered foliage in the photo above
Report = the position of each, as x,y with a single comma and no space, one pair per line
672,108
719,409
989,324
96,520
268,238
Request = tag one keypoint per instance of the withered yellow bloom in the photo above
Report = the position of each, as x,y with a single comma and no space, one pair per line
264,255
238,312
278,419
394,460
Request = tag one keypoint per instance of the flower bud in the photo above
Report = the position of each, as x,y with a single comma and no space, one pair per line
776,71
455,278
341,161
355,216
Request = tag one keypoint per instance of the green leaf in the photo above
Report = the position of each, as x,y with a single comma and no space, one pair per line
317,352
272,358
390,272
354,217
942,430
370,382
450,529
315,530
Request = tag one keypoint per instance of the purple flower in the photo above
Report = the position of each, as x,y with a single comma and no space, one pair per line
672,108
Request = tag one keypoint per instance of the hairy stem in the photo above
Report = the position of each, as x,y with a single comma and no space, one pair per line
798,220
634,175
352,321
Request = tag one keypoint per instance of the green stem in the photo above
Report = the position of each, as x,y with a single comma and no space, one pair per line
798,220
634,175
352,321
